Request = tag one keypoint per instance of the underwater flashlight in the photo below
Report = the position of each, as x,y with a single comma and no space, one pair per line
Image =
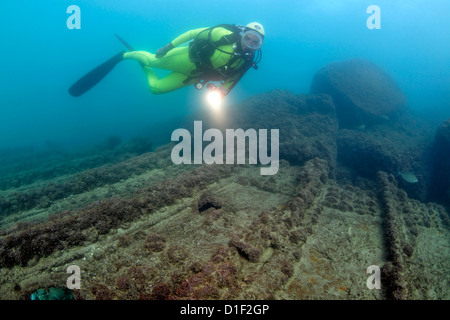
214,96
211,86
214,99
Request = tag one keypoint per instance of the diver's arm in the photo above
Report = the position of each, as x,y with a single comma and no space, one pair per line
232,81
228,85
185,37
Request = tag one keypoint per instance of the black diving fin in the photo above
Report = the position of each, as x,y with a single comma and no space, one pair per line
130,48
94,76
124,42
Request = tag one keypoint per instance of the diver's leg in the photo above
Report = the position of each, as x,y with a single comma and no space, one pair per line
176,60
143,57
173,81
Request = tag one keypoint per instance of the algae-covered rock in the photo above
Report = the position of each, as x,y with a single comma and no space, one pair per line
397,149
366,154
307,123
164,231
362,92
415,234
441,171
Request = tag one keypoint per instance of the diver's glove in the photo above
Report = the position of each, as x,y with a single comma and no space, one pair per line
224,91
161,52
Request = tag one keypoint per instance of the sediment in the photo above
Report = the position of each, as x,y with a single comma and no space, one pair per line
142,227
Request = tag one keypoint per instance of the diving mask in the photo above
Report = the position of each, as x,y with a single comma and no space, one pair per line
252,40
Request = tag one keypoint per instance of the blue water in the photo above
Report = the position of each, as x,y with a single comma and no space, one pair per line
41,58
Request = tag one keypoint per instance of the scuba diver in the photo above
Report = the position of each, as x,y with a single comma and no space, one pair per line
222,53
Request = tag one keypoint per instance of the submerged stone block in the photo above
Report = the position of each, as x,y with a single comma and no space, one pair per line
363,93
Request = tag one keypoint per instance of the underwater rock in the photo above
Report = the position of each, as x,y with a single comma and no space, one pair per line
155,243
409,226
66,229
366,154
308,124
83,181
398,149
362,92
440,190
298,234
246,250
101,292
208,201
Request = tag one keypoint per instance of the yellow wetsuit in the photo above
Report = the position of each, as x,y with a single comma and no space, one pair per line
183,69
